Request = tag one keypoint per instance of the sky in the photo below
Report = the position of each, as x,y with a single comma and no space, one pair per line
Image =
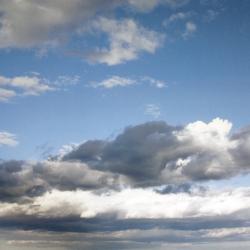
124,124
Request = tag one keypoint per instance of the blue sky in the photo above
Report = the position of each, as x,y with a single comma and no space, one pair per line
206,76
75,74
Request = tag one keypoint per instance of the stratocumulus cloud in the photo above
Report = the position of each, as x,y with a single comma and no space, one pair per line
148,179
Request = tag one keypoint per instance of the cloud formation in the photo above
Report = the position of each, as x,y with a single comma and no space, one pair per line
157,153
127,39
7,139
146,181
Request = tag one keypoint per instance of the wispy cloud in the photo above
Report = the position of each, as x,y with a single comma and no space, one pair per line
153,110
8,139
190,28
114,81
118,81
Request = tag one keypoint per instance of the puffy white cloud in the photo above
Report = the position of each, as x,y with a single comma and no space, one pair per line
127,40
33,84
23,85
7,139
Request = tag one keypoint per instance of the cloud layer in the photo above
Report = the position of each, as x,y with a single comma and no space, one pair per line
145,183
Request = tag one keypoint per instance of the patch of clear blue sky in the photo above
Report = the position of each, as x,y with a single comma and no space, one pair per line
207,75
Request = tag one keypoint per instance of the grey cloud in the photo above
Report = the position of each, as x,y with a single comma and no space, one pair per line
54,20
156,153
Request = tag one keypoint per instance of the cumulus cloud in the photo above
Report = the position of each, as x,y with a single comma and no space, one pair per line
147,178
155,152
7,139
53,23
33,84
23,85
127,39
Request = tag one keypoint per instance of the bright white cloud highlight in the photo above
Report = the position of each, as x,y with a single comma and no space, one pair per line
134,204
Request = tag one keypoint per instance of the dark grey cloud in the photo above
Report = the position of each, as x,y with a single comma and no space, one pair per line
155,153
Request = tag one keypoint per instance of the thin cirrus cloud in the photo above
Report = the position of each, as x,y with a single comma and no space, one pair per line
153,110
7,139
119,81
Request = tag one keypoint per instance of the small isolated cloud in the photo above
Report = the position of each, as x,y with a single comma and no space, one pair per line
8,139
127,39
22,85
115,81
153,110
190,28
33,84
118,81
179,16
154,82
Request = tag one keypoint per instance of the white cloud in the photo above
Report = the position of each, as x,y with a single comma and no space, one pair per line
33,84
8,139
127,40
154,82
190,28
134,204
23,85
118,81
153,110
177,17
6,94
115,81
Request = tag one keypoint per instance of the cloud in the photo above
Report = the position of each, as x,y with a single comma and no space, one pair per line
54,20
118,81
114,81
127,39
156,153
133,204
7,139
22,85
149,5
179,16
190,28
33,84
153,110
6,94
154,82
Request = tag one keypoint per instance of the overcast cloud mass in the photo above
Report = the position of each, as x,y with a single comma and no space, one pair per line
124,124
